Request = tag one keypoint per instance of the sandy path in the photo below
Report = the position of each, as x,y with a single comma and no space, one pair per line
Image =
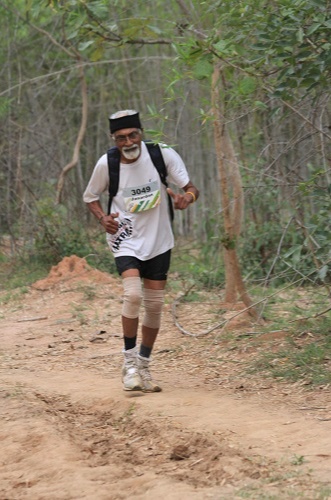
69,431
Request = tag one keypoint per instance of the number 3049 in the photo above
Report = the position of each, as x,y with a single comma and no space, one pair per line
143,190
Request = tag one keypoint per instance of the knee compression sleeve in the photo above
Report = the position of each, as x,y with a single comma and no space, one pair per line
132,297
153,302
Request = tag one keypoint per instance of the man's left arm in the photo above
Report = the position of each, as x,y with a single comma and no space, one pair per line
182,201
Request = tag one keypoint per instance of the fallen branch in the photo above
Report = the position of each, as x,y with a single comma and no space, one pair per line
314,316
37,318
224,322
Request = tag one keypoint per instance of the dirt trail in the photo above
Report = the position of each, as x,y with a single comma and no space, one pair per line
69,431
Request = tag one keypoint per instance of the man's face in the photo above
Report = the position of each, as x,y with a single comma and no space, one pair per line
128,141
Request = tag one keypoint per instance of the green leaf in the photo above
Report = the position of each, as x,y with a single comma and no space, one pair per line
203,69
323,272
155,30
295,253
300,35
313,28
247,85
220,46
85,45
260,104
97,54
72,35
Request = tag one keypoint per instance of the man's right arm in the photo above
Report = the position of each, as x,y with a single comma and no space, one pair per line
96,209
107,221
98,184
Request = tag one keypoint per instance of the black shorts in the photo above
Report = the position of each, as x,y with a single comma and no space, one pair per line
152,269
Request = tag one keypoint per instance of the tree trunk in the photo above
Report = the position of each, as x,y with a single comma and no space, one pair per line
230,182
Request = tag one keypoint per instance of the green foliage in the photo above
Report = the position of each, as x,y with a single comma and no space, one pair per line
298,460
290,41
262,255
309,362
58,236
203,68
316,239
277,242
141,27
202,263
34,260
247,85
4,106
19,272
100,256
283,48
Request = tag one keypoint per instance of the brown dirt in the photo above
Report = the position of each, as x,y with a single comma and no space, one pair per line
69,431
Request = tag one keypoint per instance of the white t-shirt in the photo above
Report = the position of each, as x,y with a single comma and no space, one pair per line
141,201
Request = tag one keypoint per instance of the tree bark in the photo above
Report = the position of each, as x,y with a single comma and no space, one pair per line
230,180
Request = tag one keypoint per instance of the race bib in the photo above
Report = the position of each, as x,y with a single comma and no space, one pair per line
142,198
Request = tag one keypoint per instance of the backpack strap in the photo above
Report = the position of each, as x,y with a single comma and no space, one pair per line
113,156
157,158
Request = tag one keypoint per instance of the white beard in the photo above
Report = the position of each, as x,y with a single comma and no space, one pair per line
131,153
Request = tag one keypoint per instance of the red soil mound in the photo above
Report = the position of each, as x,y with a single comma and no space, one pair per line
72,268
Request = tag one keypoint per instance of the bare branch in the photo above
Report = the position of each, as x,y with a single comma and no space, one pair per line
79,139
82,64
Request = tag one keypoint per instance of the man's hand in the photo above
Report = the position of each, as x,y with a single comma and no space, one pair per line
181,201
109,223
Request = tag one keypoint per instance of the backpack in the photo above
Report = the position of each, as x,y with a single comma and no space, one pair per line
113,156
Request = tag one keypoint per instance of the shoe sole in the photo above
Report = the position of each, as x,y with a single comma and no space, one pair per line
135,388
152,390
